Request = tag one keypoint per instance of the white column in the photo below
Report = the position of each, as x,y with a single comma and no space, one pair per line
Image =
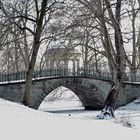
66,64
77,63
73,66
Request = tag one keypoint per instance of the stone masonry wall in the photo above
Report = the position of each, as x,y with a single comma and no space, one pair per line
91,92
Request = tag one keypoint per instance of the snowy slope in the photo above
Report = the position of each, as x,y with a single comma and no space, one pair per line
20,123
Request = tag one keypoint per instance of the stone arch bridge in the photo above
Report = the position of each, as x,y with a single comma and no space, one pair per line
90,86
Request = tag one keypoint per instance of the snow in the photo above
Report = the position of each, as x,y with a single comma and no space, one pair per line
18,122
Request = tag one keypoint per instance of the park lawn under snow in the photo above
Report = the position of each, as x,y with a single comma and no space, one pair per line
18,122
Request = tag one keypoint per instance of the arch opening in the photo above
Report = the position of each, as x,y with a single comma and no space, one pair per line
60,100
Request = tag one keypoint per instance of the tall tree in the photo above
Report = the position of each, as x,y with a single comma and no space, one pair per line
34,20
35,48
120,61
104,12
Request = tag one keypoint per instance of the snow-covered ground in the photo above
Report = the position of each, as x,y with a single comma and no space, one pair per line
18,122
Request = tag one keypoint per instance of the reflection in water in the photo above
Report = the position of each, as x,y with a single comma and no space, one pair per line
67,111
72,109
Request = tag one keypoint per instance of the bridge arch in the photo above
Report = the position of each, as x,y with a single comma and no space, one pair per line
60,99
91,95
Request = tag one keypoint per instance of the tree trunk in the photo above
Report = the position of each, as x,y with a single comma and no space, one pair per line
36,45
29,76
119,65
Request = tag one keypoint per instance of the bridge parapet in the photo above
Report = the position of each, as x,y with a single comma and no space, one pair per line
21,76
90,73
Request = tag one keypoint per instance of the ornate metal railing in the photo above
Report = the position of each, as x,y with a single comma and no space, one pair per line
92,73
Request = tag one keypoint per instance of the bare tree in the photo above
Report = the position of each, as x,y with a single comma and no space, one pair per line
36,20
15,40
83,33
103,12
133,31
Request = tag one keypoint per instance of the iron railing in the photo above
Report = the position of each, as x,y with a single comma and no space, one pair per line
92,73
